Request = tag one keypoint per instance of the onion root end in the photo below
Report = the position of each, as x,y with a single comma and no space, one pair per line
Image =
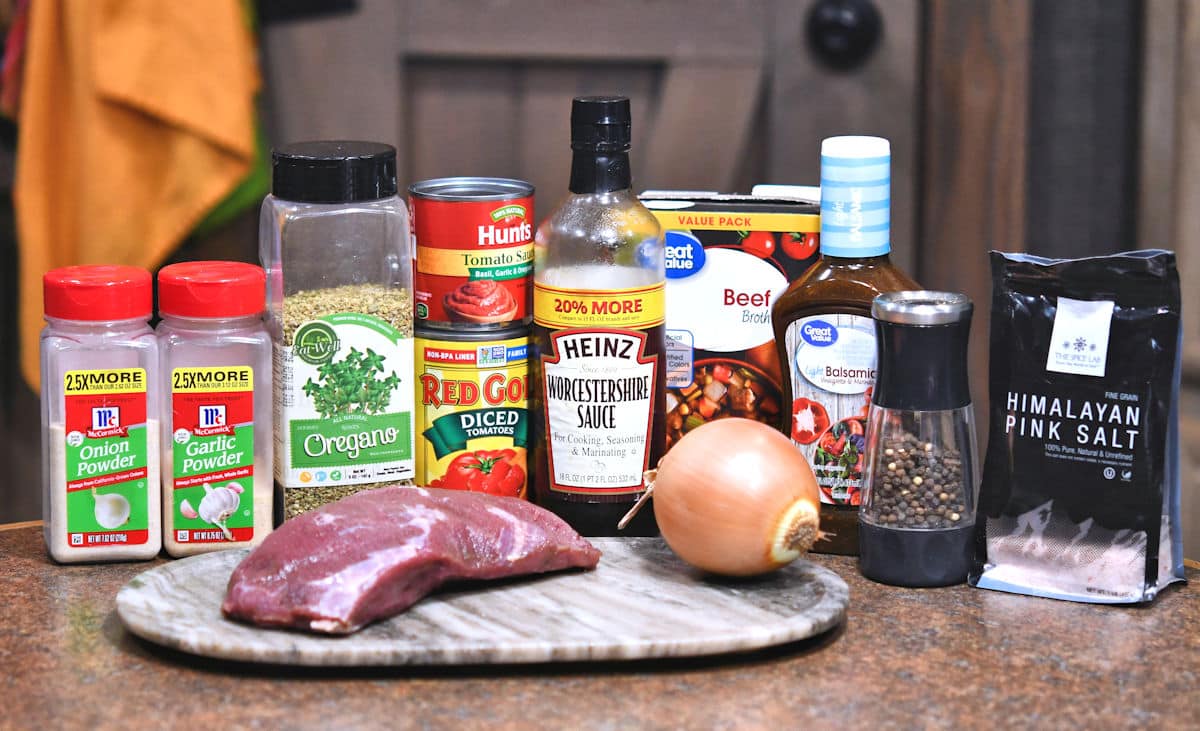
797,530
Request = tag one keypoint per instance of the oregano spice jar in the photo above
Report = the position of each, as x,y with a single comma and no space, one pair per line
334,240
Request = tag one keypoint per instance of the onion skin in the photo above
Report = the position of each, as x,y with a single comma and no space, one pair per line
736,497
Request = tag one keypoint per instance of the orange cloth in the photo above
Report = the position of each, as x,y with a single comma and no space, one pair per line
137,117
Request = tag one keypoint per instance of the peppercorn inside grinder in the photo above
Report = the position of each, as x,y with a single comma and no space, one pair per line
917,517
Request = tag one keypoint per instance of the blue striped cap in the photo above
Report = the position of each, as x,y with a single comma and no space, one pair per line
856,196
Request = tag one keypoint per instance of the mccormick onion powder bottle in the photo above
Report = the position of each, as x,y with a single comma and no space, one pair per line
597,371
100,391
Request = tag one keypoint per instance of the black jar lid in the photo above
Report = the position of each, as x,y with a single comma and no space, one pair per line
333,171
922,307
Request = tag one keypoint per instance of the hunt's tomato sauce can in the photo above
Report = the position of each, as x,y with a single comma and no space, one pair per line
472,423
474,252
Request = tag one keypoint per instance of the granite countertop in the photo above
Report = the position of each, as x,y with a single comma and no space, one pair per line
905,658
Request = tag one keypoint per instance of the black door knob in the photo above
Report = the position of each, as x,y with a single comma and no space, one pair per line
843,33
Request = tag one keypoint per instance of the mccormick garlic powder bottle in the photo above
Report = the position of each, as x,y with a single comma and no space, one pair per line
597,372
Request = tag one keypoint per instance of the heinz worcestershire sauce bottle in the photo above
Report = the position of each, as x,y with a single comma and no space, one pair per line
597,375
825,334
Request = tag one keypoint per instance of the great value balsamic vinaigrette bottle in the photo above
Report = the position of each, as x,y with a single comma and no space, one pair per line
596,373
825,335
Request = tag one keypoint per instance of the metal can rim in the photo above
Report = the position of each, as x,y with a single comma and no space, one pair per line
454,189
511,332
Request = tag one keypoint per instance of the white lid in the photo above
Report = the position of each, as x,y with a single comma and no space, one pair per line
855,146
801,192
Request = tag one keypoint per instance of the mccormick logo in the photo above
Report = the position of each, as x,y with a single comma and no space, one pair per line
106,417
211,416
819,333
210,420
106,422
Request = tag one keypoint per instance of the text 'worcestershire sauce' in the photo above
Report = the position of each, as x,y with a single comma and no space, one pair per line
597,377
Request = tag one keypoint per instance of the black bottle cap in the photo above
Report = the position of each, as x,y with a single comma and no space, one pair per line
922,345
600,124
333,171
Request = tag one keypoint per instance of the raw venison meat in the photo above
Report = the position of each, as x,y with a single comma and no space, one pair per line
378,552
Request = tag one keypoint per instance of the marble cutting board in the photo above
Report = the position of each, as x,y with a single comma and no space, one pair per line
640,602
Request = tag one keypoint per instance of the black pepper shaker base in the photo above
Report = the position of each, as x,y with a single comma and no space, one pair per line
916,558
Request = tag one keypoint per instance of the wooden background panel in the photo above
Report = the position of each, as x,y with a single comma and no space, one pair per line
702,126
1083,124
335,76
1170,187
1160,73
461,119
808,102
543,146
1186,234
974,140
603,31
512,119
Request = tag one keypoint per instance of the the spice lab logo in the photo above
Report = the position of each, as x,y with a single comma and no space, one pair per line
1079,341
315,343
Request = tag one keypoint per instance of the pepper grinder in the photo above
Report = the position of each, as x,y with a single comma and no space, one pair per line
917,517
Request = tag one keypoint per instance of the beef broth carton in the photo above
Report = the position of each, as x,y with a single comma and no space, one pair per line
728,258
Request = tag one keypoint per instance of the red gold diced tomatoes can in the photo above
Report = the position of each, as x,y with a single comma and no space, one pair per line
474,252
472,419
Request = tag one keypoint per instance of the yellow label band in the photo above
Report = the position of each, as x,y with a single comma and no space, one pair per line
739,221
637,308
220,379
474,262
117,380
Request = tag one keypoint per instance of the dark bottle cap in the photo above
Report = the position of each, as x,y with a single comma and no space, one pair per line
600,124
334,171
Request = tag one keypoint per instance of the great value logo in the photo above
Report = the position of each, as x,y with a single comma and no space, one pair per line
684,254
819,333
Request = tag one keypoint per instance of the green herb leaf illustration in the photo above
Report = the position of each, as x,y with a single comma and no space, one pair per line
353,385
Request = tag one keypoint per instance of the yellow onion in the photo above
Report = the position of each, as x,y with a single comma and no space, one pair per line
736,497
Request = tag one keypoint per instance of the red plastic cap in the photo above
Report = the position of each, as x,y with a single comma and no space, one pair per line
97,293
212,289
